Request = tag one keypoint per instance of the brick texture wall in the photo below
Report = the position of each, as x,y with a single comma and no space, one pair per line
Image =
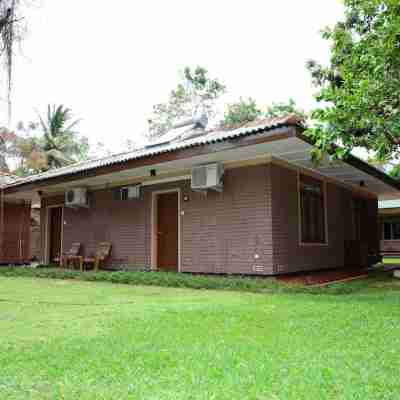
289,255
230,232
226,232
16,240
249,228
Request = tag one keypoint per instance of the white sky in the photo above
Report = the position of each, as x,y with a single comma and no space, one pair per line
110,61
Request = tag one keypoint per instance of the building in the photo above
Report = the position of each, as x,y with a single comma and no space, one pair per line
389,227
14,226
164,207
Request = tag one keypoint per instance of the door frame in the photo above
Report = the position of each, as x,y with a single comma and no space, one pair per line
154,222
47,234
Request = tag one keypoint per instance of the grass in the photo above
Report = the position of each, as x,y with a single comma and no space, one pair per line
70,339
391,260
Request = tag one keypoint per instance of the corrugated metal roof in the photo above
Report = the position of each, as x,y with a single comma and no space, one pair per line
209,137
389,204
6,179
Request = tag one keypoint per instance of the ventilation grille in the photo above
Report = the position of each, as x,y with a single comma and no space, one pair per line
258,269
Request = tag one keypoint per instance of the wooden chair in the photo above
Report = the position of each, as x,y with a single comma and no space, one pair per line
71,255
103,251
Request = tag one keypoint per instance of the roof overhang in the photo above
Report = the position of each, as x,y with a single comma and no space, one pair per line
286,144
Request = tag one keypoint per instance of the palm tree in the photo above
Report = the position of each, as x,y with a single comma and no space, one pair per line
59,143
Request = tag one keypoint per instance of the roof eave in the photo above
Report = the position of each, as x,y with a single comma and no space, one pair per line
257,136
359,164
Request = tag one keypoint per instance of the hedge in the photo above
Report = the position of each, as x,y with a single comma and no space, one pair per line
171,279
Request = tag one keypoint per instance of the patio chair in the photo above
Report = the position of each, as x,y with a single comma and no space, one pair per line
103,252
70,256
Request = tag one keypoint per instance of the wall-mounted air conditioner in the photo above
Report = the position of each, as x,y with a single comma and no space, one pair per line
209,176
127,193
76,198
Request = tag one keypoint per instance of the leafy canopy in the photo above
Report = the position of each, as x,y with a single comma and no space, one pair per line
359,89
284,109
8,148
195,92
247,110
50,143
60,143
242,111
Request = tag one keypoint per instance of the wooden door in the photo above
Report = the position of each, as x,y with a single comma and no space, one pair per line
167,231
55,222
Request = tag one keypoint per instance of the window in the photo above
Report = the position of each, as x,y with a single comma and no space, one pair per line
312,210
120,194
391,230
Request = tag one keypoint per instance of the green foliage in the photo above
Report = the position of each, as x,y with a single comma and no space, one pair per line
142,276
358,90
283,109
195,91
59,142
8,147
247,110
164,279
244,110
394,172
55,145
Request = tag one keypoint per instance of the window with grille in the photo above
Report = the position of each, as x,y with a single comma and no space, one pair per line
312,210
391,230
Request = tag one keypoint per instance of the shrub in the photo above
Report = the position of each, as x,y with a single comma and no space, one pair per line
181,280
244,110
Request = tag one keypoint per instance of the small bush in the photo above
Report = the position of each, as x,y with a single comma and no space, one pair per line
244,110
180,280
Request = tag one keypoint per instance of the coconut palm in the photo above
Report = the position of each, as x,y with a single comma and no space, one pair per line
59,143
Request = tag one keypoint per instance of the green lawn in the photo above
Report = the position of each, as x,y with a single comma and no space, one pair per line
64,339
391,260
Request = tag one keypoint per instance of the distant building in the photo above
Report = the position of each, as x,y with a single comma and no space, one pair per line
389,227
15,226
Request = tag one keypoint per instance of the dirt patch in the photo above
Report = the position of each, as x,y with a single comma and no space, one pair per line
323,277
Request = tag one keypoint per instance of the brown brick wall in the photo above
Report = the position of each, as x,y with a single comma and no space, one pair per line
224,232
221,232
289,255
16,240
251,227
370,226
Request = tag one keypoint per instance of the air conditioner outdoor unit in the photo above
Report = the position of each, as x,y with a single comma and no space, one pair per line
134,192
127,193
209,176
76,198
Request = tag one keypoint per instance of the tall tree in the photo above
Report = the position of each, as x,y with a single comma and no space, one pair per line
8,148
242,111
196,92
359,89
56,144
247,110
284,109
60,143
12,27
